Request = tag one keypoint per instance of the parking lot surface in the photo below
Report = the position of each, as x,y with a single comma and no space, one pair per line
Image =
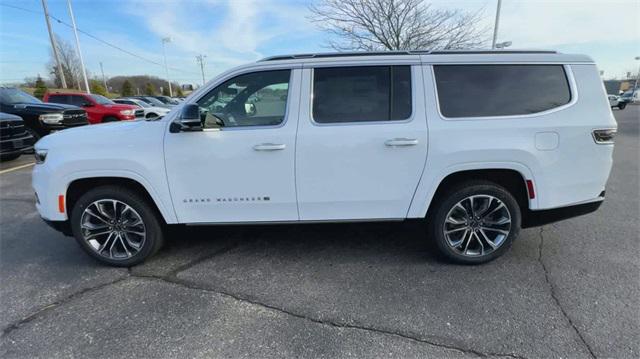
569,289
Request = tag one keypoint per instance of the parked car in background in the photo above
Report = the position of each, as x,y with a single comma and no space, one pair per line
149,110
346,137
15,139
630,96
152,101
99,108
616,101
169,101
40,118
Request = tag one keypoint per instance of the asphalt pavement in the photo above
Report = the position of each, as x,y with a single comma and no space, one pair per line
568,290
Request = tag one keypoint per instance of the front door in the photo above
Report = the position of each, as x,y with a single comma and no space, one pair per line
240,168
362,141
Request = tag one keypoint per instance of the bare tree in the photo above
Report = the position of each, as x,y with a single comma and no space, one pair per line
374,25
70,64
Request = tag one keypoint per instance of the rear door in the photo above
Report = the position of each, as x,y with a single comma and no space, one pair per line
362,141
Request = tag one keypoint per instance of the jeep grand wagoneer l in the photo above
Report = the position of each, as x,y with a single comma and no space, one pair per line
477,143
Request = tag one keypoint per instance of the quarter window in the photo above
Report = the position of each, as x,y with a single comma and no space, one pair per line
500,90
361,94
254,99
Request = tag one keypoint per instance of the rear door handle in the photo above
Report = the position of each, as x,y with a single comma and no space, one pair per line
401,142
269,147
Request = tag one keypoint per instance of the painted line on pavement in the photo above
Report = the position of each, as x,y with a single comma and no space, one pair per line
17,168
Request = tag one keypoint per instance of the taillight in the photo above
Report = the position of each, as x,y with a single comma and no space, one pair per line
604,136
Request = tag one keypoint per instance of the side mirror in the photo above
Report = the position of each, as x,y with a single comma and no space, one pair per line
189,119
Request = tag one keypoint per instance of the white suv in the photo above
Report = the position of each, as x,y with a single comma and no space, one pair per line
479,143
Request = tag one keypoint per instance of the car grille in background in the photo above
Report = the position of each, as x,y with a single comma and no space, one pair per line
12,129
74,117
139,113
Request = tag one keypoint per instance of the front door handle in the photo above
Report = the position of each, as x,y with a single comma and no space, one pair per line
401,142
269,147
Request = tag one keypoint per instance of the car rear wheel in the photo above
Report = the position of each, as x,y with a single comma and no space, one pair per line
475,222
116,226
622,105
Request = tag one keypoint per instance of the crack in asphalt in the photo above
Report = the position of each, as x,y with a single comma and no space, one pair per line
194,286
552,291
17,324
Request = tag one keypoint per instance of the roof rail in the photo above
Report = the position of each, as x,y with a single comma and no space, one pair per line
401,52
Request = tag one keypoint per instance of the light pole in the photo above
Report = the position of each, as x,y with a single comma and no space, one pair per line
166,40
200,60
635,86
104,79
495,26
54,47
75,31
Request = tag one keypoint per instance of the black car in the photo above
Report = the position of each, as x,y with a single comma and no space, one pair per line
40,118
14,137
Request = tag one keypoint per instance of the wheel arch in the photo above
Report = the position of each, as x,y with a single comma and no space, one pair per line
512,176
78,186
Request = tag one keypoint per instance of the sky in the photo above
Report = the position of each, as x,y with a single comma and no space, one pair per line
233,32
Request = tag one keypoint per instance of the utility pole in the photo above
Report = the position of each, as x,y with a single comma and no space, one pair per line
495,26
166,68
54,47
635,86
200,60
104,79
75,32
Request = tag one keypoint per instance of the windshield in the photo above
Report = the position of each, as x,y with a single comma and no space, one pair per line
101,100
140,103
154,101
14,96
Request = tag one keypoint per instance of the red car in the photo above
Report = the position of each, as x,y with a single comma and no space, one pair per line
99,108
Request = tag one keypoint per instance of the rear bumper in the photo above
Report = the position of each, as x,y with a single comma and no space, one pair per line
542,217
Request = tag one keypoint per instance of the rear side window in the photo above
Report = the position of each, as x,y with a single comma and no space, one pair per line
361,94
500,90
58,98
77,100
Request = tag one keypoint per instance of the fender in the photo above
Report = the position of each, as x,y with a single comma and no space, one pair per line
166,209
429,183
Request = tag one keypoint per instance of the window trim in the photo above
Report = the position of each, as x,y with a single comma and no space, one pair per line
410,118
567,72
285,119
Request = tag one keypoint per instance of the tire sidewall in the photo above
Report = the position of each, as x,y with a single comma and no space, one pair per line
461,192
154,238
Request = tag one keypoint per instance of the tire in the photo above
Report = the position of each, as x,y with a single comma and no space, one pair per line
11,157
622,105
126,246
480,239
110,119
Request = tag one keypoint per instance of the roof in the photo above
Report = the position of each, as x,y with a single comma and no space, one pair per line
474,55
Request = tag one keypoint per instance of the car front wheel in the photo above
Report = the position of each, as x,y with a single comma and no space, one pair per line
475,222
116,226
622,105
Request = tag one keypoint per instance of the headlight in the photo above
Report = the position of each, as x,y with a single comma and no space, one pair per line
40,155
51,118
128,112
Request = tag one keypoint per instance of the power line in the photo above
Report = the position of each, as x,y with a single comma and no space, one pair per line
99,39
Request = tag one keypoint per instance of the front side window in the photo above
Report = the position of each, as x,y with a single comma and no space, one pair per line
78,100
254,99
101,100
361,94
500,90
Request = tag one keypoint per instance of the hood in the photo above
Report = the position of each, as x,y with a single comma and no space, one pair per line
103,134
45,107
